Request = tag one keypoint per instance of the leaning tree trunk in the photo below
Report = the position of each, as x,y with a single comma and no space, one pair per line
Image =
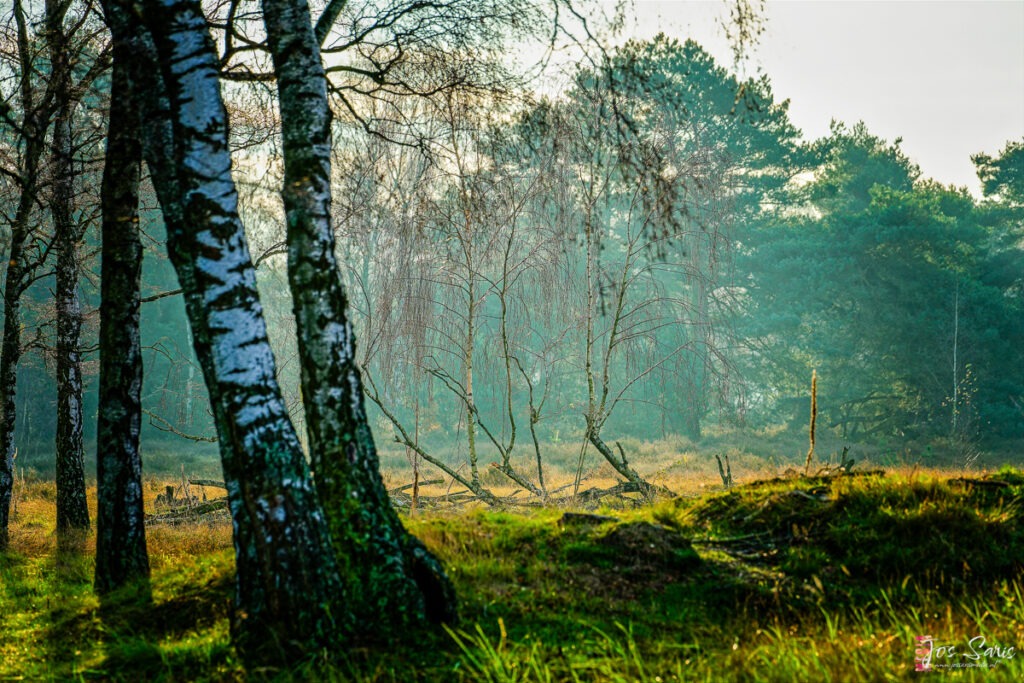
121,557
72,510
286,574
393,580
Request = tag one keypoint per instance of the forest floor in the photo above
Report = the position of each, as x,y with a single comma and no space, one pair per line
783,579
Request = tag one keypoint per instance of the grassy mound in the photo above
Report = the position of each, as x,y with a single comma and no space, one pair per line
869,530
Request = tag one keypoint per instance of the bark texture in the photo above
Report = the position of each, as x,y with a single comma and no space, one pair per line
392,581
72,510
286,575
121,557
19,270
10,353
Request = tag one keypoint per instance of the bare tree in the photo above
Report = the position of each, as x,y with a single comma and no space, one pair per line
53,60
455,286
651,201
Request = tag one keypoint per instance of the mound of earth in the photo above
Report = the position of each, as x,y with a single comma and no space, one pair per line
627,559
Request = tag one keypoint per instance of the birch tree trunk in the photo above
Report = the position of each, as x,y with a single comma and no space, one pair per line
392,580
10,353
19,270
72,510
286,574
121,556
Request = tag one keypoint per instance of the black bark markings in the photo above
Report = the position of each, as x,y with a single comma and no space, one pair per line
121,556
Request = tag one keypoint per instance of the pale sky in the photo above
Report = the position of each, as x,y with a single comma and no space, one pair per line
946,76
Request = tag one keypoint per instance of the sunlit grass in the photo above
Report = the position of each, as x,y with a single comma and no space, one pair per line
52,623
858,567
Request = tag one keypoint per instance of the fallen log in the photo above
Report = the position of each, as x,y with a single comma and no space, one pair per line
208,482
431,482
190,513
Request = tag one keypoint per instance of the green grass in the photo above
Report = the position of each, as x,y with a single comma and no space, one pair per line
786,580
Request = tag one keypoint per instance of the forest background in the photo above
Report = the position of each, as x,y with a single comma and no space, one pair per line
525,260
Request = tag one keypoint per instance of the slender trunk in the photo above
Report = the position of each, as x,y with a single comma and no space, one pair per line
286,575
535,411
603,409
10,353
814,419
698,371
72,510
414,457
468,359
599,409
392,580
588,349
588,364
186,417
18,269
121,556
507,357
465,240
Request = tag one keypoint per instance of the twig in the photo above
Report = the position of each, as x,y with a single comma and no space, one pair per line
168,427
814,417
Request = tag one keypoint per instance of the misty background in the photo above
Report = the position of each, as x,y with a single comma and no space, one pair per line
519,265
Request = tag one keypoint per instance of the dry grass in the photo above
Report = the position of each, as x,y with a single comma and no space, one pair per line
691,475
33,521
529,585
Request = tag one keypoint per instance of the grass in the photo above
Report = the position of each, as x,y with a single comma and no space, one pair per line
786,579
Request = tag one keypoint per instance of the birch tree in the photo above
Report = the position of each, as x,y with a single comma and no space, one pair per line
286,574
121,556
28,120
54,58
72,511
390,578
665,151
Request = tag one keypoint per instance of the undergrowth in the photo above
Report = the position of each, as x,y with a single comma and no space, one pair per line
780,580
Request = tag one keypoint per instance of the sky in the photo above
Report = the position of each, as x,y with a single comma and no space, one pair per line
945,76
